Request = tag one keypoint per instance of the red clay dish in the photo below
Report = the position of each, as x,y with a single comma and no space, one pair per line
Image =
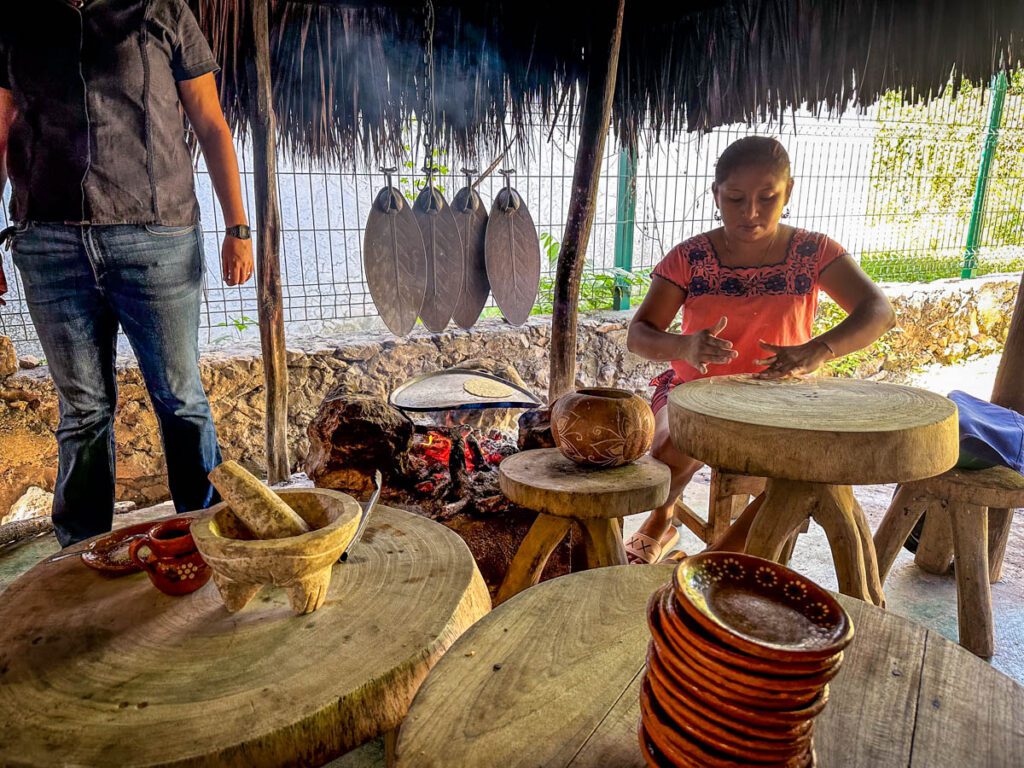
673,699
682,642
760,607
701,640
682,751
652,756
725,740
109,553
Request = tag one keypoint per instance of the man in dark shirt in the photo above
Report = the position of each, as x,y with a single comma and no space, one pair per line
106,226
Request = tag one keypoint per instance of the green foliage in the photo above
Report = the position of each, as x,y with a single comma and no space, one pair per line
597,289
239,324
924,170
410,189
829,316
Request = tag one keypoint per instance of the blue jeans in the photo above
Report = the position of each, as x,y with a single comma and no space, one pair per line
81,283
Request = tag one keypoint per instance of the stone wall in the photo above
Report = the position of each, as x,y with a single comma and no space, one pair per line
940,322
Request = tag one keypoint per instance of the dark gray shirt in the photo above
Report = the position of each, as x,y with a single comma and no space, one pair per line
99,137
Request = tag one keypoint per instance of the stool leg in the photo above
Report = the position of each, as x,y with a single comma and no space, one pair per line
784,510
835,512
603,542
723,506
905,510
935,550
999,522
973,594
868,544
787,549
531,557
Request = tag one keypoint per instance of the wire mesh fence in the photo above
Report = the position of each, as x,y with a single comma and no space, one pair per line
896,185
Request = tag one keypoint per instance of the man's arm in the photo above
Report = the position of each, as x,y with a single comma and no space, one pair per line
8,111
199,98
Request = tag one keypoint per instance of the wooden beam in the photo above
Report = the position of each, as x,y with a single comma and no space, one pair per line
1008,390
268,263
594,122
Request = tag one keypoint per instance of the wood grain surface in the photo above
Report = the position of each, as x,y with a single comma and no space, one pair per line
102,671
841,431
999,487
442,245
546,481
471,219
551,678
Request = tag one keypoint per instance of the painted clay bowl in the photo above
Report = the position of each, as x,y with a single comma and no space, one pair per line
681,750
728,741
301,564
679,637
761,608
673,698
652,757
677,621
602,426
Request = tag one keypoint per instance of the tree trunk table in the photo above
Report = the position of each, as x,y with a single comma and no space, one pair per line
552,678
560,491
97,670
813,439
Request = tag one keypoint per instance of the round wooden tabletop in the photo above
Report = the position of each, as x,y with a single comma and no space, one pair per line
839,431
552,678
97,670
546,481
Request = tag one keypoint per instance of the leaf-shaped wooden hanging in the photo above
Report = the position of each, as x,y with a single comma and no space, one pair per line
443,248
394,261
513,256
471,218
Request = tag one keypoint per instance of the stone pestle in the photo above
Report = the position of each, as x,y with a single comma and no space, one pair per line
259,508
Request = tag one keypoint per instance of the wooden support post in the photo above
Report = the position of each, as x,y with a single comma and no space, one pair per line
1007,390
594,122
268,265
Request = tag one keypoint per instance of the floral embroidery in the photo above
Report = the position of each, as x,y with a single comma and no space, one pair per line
796,276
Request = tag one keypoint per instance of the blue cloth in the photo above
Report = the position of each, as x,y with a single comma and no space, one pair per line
82,282
990,435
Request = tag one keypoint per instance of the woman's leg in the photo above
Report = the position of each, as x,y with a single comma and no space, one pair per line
683,469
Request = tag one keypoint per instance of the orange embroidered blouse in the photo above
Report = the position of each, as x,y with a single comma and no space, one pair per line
775,303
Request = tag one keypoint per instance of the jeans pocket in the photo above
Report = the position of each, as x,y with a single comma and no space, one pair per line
161,230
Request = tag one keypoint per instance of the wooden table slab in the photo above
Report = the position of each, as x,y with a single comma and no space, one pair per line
109,671
551,678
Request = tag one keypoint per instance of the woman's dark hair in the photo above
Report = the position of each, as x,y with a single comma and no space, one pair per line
752,151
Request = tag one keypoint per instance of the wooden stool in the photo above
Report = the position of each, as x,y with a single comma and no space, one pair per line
813,439
561,491
730,494
969,512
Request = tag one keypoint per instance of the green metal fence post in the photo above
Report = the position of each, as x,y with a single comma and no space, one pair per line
988,151
625,219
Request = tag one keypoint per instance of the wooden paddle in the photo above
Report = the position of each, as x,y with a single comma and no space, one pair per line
512,252
443,246
394,260
471,219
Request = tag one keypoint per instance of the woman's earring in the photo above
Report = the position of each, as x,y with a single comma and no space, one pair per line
785,213
718,215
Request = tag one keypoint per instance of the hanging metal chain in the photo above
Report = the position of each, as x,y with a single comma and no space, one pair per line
427,110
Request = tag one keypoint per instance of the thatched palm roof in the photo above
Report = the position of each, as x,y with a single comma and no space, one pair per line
348,76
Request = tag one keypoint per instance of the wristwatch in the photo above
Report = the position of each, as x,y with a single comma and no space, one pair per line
241,231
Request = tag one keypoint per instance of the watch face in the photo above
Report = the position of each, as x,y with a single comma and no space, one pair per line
240,231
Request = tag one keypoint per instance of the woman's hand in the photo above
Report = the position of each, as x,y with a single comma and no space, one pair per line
793,361
236,260
704,348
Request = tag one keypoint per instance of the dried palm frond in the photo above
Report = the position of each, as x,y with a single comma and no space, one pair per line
348,77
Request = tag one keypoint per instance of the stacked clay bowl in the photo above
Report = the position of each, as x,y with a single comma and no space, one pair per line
741,653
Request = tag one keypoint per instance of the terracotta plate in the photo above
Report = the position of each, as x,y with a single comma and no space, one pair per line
109,553
761,608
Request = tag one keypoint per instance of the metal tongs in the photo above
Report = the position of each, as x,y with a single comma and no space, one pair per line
366,515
